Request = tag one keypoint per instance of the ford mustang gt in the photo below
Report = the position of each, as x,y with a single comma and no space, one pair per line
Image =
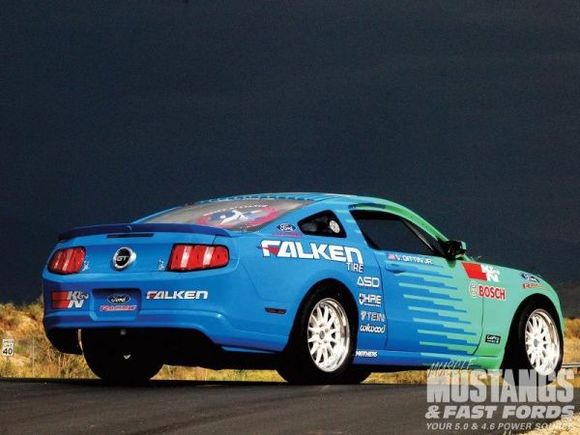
324,288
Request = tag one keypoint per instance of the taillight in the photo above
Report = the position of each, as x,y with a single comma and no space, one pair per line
67,261
195,257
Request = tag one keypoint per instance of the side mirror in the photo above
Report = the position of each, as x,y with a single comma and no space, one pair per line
454,248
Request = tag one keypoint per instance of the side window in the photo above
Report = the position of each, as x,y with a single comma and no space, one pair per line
387,232
324,224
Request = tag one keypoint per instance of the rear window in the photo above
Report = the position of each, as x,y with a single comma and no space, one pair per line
241,215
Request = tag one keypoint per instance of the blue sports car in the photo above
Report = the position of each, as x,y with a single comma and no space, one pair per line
324,288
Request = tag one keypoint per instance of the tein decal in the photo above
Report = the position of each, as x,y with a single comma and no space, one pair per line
487,291
482,272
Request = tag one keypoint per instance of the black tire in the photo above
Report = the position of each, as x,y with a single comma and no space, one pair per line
298,366
119,358
516,357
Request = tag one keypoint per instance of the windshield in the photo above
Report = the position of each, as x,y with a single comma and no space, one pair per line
242,214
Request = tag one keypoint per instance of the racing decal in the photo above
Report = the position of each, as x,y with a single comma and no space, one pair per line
372,329
250,214
117,308
370,300
391,256
493,339
287,230
487,291
530,281
372,316
314,251
69,299
177,295
118,302
482,272
368,282
366,353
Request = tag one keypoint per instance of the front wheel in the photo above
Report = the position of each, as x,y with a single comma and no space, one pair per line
321,347
534,345
119,356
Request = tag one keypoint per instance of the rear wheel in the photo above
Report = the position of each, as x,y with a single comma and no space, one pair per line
534,344
119,356
321,346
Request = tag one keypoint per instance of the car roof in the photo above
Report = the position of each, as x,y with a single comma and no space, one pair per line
352,202
336,198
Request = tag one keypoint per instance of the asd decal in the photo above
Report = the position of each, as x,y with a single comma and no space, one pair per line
482,272
70,299
409,258
487,291
368,282
315,251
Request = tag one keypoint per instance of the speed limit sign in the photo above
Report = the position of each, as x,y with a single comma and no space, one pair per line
7,347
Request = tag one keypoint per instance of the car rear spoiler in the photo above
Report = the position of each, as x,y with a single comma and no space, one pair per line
127,229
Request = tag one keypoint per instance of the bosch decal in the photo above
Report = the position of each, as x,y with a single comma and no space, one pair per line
69,299
487,291
482,272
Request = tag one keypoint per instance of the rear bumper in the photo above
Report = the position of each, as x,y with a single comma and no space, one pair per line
213,325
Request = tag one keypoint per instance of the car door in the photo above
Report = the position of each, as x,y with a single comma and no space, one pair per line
427,301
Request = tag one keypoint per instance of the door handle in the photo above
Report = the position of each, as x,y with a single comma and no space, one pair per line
394,268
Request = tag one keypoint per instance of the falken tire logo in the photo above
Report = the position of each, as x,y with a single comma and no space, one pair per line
123,258
118,299
315,251
177,295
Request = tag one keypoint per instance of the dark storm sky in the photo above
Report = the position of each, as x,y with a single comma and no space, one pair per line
466,112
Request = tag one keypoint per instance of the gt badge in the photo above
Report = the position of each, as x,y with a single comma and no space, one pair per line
123,258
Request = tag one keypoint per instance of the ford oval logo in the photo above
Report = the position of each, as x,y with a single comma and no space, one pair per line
123,258
119,299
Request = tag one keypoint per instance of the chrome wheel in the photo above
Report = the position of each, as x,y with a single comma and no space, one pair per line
542,342
328,335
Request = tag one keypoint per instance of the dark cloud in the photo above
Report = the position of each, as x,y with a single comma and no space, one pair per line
466,112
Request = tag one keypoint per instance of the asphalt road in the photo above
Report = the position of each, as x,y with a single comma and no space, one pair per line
212,407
